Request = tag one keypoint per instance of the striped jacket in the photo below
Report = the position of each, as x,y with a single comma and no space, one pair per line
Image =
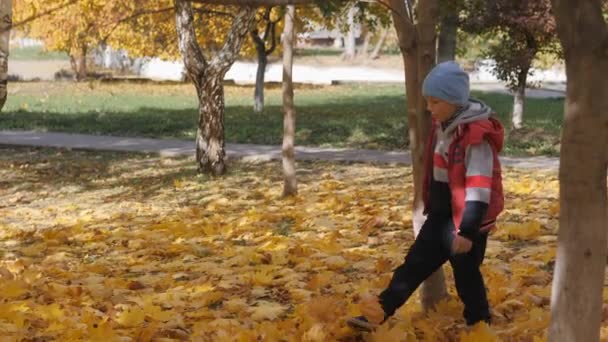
465,155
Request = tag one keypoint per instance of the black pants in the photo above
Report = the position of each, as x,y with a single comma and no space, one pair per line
432,248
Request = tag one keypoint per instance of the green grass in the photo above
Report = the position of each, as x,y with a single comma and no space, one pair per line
35,53
351,116
329,51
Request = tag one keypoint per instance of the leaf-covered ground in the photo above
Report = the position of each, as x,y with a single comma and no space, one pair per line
115,247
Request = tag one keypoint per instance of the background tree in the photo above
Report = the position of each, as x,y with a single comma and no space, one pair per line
376,22
264,45
6,21
416,30
383,34
576,298
448,30
290,185
524,28
350,39
75,29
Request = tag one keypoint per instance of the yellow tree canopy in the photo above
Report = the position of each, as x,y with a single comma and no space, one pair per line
82,23
143,28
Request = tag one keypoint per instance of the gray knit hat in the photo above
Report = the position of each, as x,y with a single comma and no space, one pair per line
448,82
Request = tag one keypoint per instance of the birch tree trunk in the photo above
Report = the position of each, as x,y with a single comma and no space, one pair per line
6,15
350,39
576,299
519,99
263,53
208,77
258,105
290,186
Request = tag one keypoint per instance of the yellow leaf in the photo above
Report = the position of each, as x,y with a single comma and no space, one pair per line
316,333
12,288
326,309
266,311
156,312
480,332
386,333
101,332
51,312
261,278
132,317
525,231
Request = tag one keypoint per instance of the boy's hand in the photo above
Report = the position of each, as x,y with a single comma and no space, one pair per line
371,309
461,244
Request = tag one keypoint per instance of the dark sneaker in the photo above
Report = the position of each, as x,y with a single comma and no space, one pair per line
361,323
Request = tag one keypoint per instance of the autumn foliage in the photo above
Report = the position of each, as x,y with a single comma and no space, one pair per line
101,246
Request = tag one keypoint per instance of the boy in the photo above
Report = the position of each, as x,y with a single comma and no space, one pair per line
462,196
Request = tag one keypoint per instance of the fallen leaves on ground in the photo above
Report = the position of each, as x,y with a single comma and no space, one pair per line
114,247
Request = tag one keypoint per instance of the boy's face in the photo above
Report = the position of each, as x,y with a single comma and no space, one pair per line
440,109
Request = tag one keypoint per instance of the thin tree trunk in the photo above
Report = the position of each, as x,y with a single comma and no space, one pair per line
417,44
446,47
367,37
434,289
290,186
81,63
207,78
519,99
380,43
6,15
349,43
576,297
258,95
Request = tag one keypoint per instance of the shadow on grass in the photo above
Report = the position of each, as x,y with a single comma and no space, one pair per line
345,122
359,120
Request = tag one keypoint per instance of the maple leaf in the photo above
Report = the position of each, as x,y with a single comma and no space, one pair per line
266,311
326,309
261,278
523,231
480,332
13,288
131,317
316,333
386,333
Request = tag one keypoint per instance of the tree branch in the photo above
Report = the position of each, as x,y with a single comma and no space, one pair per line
273,40
44,13
134,16
241,25
191,52
208,11
255,2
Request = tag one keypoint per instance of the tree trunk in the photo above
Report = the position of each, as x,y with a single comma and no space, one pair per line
207,78
576,299
79,63
446,47
380,43
6,15
210,145
290,185
367,37
350,43
519,99
417,44
258,95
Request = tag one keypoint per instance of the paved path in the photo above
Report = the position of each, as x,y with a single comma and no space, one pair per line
166,147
